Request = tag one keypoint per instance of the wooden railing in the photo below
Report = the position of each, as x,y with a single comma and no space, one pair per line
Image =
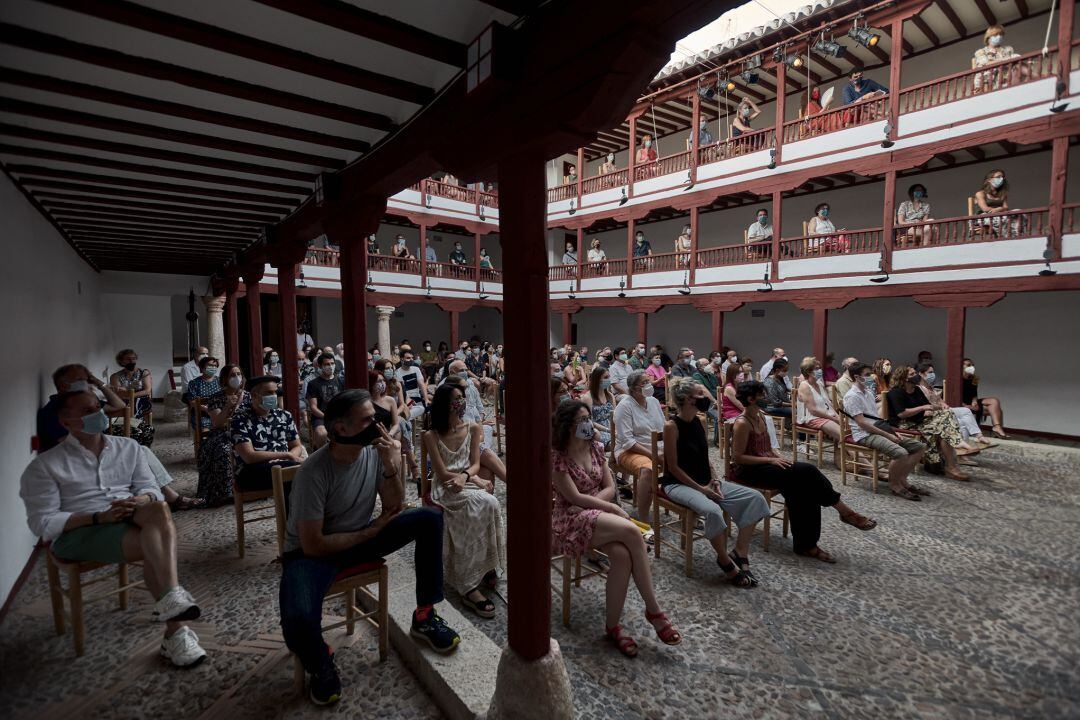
490,275
679,162
488,199
562,272
958,231
389,263
324,257
1026,68
451,192
733,147
562,192
860,113
845,242
735,254
604,268
451,271
604,182
662,262
1070,221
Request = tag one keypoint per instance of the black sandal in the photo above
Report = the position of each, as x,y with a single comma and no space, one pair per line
744,565
484,608
740,579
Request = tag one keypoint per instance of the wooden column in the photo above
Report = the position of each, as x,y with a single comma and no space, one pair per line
695,102
781,108
643,327
232,327
522,209
252,277
717,329
956,305
821,333
423,255
777,225
290,375
476,259
694,222
888,220
567,322
630,253
581,252
632,161
580,174
455,324
1059,168
1066,8
896,56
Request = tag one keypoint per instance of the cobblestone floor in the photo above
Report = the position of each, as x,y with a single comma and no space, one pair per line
964,606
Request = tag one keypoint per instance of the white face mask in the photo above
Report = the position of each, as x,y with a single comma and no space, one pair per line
997,182
648,143
585,429
236,382
611,158
328,371
647,390
380,387
995,40
78,386
969,370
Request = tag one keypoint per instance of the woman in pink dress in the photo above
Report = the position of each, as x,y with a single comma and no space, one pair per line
585,515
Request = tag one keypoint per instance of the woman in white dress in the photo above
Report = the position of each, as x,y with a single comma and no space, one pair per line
474,550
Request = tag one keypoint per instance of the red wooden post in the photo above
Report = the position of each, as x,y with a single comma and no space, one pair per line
888,223
349,231
580,174
423,255
694,224
1059,168
252,276
290,365
695,100
632,163
896,56
1065,36
821,333
232,328
522,206
955,321
567,319
777,225
643,327
476,259
580,253
630,253
455,320
717,329
781,108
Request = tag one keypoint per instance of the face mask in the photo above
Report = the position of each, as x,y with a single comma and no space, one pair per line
584,430
211,371
605,383
236,382
997,182
388,373
640,238
274,359
656,362
824,212
969,370
856,81
886,368
930,378
647,390
870,384
918,194
129,366
427,347
401,241
690,360
463,375
363,438
95,423
819,374
733,359
375,356
622,357
269,402
995,40
648,143
458,408
746,112
476,351
328,371
702,403
764,220
717,361
78,386
611,158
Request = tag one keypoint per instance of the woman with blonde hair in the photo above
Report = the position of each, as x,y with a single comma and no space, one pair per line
993,51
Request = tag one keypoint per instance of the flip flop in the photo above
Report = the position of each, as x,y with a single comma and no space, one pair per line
818,554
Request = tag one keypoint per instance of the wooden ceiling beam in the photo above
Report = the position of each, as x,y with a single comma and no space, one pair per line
380,28
145,67
64,214
128,127
221,40
92,190
155,153
908,48
159,170
924,28
99,228
987,13
1022,6
952,17
49,198
29,173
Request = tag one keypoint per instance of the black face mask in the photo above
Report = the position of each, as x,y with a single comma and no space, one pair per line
363,438
702,403
129,366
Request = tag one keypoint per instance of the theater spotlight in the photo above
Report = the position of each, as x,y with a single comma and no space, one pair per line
622,288
1059,92
884,277
623,200
749,77
753,62
767,287
729,85
707,92
863,36
830,48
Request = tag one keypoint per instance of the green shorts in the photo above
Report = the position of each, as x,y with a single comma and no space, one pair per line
100,543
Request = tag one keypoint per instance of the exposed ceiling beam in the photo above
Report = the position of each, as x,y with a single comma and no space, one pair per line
49,198
154,153
1021,5
92,190
174,109
103,57
75,117
908,48
371,25
947,158
514,7
26,174
163,249
987,13
98,228
977,153
64,214
159,170
952,17
216,38
924,28
828,65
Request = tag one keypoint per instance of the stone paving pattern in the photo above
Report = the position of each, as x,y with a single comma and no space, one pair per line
964,606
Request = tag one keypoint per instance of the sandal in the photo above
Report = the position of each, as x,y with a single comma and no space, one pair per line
744,565
818,554
484,608
919,491
907,494
667,633
184,502
987,444
625,643
740,578
859,521
999,433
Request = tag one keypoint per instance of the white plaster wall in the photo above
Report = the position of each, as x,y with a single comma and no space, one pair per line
677,326
57,315
327,327
896,328
142,323
481,323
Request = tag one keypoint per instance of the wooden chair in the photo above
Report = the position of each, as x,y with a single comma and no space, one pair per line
346,584
816,434
777,507
129,413
74,592
500,398
685,524
863,463
244,515
571,571
199,433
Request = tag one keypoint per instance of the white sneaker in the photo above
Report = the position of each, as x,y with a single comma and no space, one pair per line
182,648
176,605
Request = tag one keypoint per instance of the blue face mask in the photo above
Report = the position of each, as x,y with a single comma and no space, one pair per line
269,402
930,378
605,383
918,194
95,423
819,374
764,220
463,375
824,212
870,384
210,371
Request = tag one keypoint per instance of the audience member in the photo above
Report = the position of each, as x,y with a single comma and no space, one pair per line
658,376
744,115
457,255
730,407
862,88
263,435
400,250
636,418
485,260
777,394
690,479
760,230
965,419
190,370
319,392
993,52
846,379
474,550
130,377
620,370
95,498
705,137
642,250
202,387
913,213
272,364
883,380
829,373
331,527
683,246
601,403
991,200
684,364
814,409
910,410
804,487
596,253
372,245
413,384
608,166
820,224
710,383
585,515
569,256
979,405
66,379
474,413
646,153
216,461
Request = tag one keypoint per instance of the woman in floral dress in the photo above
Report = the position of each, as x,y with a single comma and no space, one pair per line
217,467
585,515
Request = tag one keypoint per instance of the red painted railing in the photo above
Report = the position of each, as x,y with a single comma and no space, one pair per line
562,192
735,254
488,199
958,231
1070,221
663,262
562,272
679,162
733,147
389,263
845,242
490,275
451,192
451,271
324,257
604,268
604,182
832,120
1026,68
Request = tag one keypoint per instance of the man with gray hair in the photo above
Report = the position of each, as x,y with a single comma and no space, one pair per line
845,381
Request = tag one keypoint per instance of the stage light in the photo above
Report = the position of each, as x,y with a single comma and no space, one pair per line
749,77
830,48
864,37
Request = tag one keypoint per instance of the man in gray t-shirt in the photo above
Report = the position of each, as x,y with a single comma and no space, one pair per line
330,532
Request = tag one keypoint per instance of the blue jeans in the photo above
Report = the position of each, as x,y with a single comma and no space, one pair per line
716,425
306,580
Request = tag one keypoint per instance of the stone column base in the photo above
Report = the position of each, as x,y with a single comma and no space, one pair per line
532,689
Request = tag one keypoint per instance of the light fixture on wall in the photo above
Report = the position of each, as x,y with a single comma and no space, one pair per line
300,281
1048,255
685,289
887,142
370,287
570,293
883,269
767,287
772,158
483,295
427,200
623,199
573,208
689,181
1059,92
481,213
428,293
622,288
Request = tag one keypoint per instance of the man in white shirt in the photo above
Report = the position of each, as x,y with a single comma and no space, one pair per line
191,370
760,229
860,404
94,497
766,369
620,370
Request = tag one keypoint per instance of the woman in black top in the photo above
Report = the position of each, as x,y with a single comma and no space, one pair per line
690,480
978,405
909,409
